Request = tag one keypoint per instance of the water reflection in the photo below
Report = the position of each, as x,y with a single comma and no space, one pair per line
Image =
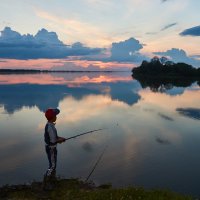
87,147
15,96
162,141
70,79
147,138
193,113
165,117
162,84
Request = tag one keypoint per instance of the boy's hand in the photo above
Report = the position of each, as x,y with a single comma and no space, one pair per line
61,140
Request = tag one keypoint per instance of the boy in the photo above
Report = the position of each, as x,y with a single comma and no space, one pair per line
51,139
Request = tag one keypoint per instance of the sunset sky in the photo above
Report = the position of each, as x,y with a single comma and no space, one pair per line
108,32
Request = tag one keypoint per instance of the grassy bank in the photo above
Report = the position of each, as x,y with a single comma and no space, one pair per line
73,189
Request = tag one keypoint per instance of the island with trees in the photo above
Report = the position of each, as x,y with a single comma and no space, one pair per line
162,73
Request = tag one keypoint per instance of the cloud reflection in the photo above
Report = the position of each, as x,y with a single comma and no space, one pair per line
193,113
165,117
162,141
189,97
69,79
132,153
54,88
87,147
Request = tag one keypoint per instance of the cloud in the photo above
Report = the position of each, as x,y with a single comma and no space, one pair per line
179,55
125,51
74,28
163,1
151,33
194,31
44,44
168,26
163,29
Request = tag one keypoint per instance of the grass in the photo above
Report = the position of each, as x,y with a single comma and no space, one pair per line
74,189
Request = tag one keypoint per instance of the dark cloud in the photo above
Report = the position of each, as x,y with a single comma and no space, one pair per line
194,31
193,113
163,1
44,44
179,55
125,51
168,26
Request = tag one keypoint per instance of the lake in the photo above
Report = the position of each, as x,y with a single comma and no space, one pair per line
151,135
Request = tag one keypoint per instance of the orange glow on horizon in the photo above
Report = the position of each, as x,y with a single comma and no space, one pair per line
70,64
72,79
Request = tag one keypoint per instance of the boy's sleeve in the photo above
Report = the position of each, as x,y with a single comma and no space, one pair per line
52,135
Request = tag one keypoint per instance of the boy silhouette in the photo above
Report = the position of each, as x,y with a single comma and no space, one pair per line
51,139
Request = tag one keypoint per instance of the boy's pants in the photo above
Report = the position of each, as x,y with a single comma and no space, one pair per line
52,158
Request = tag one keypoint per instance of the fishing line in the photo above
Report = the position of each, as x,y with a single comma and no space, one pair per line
97,162
101,155
99,158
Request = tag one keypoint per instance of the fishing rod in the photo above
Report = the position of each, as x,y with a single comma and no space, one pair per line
75,136
101,155
86,133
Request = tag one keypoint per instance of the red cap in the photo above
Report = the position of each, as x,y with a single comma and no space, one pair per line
51,113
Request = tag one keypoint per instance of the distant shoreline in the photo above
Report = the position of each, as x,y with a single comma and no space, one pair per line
35,71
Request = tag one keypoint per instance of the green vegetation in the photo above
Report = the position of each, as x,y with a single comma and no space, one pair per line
73,189
160,76
166,69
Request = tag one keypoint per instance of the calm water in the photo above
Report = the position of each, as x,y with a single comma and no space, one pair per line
153,135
